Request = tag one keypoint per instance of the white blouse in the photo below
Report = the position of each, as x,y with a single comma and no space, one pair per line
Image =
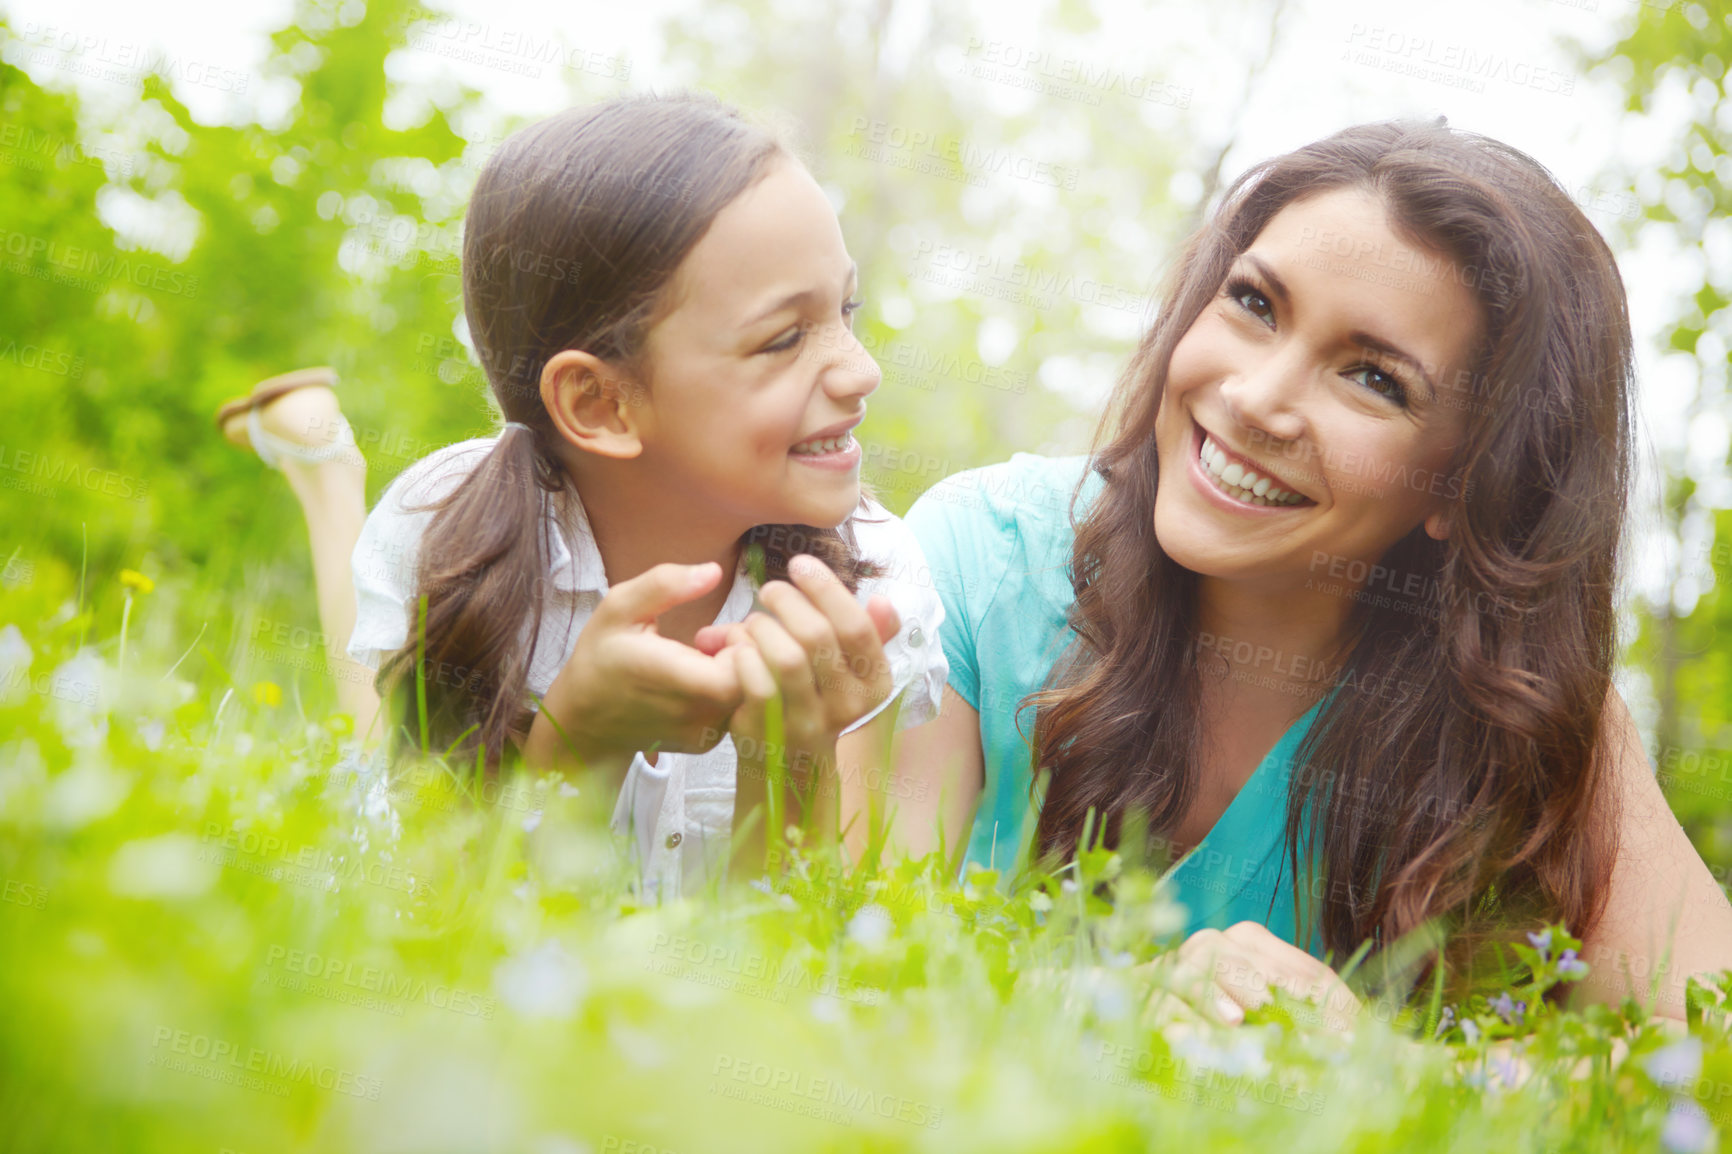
680,811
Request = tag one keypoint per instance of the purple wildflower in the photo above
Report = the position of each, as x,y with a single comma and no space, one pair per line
1542,941
1687,1130
1570,966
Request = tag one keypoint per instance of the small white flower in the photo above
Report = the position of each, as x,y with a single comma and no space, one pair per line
871,926
150,733
544,983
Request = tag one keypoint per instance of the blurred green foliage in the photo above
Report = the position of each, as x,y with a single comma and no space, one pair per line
1675,57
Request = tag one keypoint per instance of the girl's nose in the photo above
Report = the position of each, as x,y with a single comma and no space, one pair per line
853,372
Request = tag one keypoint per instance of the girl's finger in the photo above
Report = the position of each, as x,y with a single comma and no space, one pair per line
788,662
803,621
854,627
756,680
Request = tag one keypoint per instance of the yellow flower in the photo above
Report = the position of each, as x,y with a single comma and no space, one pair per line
267,693
133,579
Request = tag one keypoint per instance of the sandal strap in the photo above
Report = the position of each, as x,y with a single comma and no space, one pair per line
271,388
272,448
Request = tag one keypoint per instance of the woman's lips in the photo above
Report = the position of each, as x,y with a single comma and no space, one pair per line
1212,488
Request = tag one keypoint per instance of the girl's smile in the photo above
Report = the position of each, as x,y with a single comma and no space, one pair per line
830,448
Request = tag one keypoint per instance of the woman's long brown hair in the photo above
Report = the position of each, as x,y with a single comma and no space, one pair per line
575,229
1491,809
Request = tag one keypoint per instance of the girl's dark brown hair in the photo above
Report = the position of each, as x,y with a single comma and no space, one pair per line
575,229
1492,808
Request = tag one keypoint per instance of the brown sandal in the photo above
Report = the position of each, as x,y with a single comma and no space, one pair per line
272,449
271,388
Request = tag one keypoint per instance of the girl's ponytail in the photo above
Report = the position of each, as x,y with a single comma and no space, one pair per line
574,230
484,556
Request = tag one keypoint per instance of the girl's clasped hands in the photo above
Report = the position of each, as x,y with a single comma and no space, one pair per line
627,687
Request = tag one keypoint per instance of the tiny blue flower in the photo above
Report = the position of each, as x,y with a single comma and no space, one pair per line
1542,941
1570,967
1687,1130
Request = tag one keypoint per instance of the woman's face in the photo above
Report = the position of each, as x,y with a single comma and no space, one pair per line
1307,418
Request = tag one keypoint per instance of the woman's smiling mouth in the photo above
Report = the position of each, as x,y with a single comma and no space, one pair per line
1232,478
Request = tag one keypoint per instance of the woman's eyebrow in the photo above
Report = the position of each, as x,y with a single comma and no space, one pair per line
1363,339
1276,284
801,297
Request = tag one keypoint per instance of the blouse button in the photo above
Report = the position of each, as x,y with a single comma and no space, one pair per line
674,839
916,638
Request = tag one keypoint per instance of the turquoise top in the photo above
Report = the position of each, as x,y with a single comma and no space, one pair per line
998,542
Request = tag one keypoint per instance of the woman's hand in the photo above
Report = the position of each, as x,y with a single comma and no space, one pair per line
626,687
1224,973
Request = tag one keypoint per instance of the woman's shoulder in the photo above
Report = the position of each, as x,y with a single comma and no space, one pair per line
1028,497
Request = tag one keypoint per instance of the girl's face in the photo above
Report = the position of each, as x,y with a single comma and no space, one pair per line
1307,421
756,378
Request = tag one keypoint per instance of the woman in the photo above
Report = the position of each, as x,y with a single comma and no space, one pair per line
1333,599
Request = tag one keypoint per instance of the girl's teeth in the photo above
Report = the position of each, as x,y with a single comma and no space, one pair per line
827,445
1241,483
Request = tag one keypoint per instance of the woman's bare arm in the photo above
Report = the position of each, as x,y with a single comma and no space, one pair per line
939,772
1664,918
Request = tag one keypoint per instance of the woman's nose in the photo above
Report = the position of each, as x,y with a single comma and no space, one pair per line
1269,394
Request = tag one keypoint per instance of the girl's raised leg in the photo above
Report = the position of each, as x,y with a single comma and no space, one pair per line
301,432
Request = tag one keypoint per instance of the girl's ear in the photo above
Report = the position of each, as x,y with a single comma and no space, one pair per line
1437,526
592,405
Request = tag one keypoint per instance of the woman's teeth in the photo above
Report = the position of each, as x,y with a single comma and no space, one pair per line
823,445
1241,483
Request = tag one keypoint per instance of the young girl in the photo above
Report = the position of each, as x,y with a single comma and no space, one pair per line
1331,607
662,300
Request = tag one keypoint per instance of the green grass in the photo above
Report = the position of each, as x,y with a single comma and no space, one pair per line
210,940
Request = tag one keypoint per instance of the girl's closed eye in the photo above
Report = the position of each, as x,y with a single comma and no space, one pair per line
792,337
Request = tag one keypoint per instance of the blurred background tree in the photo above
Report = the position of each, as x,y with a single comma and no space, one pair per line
1676,55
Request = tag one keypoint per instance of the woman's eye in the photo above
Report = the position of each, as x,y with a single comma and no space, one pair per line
1381,383
849,308
1252,300
787,341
